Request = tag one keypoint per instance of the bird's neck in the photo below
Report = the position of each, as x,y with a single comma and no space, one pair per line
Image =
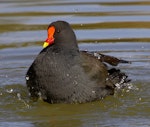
64,49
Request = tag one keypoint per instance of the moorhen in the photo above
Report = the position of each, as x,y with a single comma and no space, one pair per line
63,74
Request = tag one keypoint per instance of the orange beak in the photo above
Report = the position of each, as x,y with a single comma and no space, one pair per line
50,39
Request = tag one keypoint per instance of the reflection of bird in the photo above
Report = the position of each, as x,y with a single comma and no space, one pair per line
63,74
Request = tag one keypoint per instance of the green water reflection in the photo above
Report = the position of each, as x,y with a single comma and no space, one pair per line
119,28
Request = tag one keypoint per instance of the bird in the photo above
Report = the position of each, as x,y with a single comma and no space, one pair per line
61,73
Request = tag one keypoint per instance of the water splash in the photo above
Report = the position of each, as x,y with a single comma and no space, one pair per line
13,94
22,100
9,90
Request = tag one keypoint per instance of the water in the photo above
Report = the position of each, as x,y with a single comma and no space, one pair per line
114,27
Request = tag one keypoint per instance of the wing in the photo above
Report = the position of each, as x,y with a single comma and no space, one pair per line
107,59
94,65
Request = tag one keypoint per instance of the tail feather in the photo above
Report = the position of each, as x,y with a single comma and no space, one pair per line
118,78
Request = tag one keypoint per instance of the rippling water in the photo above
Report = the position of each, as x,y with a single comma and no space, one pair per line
116,27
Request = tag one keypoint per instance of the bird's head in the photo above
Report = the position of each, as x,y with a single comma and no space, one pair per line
60,33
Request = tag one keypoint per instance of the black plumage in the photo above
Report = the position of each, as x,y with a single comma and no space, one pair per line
63,74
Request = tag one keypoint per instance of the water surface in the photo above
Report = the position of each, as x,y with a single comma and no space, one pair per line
119,28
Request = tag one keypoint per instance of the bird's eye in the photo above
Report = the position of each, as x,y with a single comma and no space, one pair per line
58,31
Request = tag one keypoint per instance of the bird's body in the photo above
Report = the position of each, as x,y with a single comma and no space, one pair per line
63,74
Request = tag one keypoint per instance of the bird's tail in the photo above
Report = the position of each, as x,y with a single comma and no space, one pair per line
118,78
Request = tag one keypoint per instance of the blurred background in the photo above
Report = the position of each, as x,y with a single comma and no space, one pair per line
120,28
